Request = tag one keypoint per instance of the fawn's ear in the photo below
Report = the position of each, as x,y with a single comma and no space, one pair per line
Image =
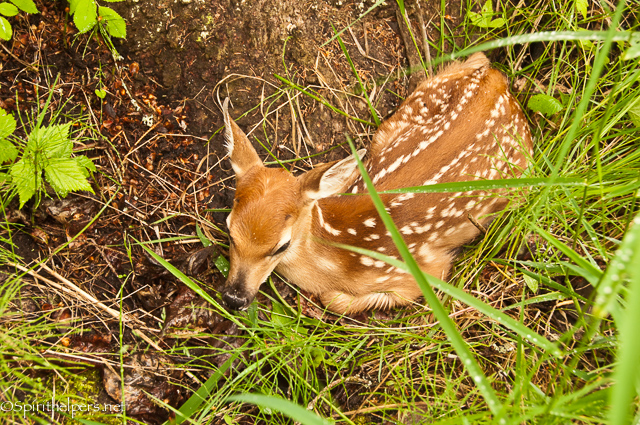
330,179
242,154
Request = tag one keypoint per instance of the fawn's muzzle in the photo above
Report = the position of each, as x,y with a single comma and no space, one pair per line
235,301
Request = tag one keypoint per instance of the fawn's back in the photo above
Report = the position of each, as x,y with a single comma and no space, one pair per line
461,125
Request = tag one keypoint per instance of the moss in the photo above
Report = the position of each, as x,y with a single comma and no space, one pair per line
81,390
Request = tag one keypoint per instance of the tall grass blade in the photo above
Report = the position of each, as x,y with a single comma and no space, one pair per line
425,281
461,295
587,270
489,185
191,406
292,410
627,373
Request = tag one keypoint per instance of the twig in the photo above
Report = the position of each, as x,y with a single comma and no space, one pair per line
476,223
425,41
363,52
72,289
31,67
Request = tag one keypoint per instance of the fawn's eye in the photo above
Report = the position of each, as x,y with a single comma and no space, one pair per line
282,249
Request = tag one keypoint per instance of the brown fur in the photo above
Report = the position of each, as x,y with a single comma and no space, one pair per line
461,125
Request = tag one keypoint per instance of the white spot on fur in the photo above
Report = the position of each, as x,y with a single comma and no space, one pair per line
326,226
426,253
423,229
406,230
367,261
370,222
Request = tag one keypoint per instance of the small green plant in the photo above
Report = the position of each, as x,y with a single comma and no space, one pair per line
582,6
12,9
545,104
47,151
88,15
634,114
484,19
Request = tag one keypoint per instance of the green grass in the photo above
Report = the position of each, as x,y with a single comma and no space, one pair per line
515,340
573,232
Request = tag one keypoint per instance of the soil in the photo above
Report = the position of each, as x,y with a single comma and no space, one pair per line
155,139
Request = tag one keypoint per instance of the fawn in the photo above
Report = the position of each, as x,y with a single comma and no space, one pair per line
460,125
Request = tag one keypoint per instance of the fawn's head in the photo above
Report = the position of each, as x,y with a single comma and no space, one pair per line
270,212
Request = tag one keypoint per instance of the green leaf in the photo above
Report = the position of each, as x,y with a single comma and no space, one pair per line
26,179
26,5
203,238
545,104
582,6
86,164
279,315
487,9
56,142
222,264
497,23
65,175
634,114
288,408
7,9
317,356
8,152
5,29
632,52
73,4
52,141
85,16
114,22
478,20
7,124
532,283
101,93
483,19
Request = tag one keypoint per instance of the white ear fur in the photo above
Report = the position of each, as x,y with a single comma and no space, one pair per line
228,134
241,153
336,178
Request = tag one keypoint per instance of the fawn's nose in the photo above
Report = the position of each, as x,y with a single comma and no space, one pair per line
235,302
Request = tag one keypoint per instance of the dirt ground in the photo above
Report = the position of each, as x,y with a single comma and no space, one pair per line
162,172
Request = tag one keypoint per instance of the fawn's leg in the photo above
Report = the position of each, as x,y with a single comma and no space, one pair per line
399,295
